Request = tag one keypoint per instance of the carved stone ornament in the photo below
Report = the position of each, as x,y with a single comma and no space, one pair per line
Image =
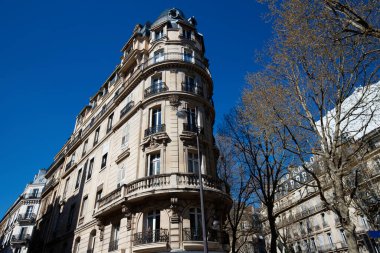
100,225
174,101
175,210
127,214
154,140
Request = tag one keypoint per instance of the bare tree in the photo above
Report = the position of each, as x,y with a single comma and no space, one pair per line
317,91
260,155
237,182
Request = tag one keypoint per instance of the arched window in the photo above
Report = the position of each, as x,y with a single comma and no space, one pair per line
91,242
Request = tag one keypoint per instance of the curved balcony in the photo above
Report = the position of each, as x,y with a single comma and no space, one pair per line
20,239
153,186
192,88
155,89
151,236
26,218
154,130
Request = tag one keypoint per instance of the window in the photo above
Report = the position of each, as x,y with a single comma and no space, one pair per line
125,138
156,119
66,187
79,176
85,144
90,168
343,235
76,245
188,55
187,34
98,196
195,222
84,206
154,164
158,56
91,242
191,117
158,34
96,137
121,176
29,212
364,222
104,160
35,193
71,217
152,221
193,165
157,85
114,242
330,239
109,124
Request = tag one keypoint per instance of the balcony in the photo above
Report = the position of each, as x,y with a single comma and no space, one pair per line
69,165
190,127
154,130
114,245
154,236
195,234
20,239
192,88
32,195
26,217
126,109
151,186
155,89
53,182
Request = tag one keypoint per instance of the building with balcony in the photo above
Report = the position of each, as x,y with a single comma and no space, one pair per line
17,225
305,224
127,179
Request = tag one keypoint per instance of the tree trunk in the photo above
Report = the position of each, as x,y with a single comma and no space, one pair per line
273,231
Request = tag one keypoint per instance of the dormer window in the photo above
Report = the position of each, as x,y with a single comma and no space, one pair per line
186,34
158,34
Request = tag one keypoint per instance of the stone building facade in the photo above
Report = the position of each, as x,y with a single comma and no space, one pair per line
306,225
126,180
17,225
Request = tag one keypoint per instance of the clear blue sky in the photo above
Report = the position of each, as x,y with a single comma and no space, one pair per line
54,55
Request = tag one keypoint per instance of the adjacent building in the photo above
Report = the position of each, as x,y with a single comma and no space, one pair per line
126,180
17,225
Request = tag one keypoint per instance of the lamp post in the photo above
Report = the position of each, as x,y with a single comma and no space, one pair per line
182,114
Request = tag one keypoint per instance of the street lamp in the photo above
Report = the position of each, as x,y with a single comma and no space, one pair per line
182,114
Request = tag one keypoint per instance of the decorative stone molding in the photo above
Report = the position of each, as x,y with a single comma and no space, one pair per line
127,212
123,155
154,140
174,101
100,226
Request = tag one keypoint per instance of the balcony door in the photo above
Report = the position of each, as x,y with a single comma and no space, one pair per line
156,85
195,224
152,220
156,120
29,211
154,164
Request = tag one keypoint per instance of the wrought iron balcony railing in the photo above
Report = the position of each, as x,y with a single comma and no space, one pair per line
126,109
155,129
195,234
155,89
32,195
26,217
20,238
187,87
151,236
190,127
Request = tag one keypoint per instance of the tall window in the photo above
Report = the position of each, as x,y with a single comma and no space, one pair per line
343,235
156,120
152,220
29,211
66,187
193,165
154,164
85,144
104,160
84,206
158,56
125,138
79,176
329,238
35,193
114,243
109,124
188,55
90,168
158,34
76,245
121,176
157,84
191,117
96,137
187,34
98,196
91,242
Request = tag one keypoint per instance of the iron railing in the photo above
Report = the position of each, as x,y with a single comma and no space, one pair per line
195,234
126,109
155,89
155,129
27,217
32,195
190,127
151,236
20,238
187,87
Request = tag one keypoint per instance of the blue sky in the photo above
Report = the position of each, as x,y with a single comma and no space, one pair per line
54,55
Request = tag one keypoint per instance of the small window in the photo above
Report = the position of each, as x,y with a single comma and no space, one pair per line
187,34
85,144
84,206
90,168
98,196
109,124
125,138
193,165
158,56
79,176
104,160
96,137
188,55
159,34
